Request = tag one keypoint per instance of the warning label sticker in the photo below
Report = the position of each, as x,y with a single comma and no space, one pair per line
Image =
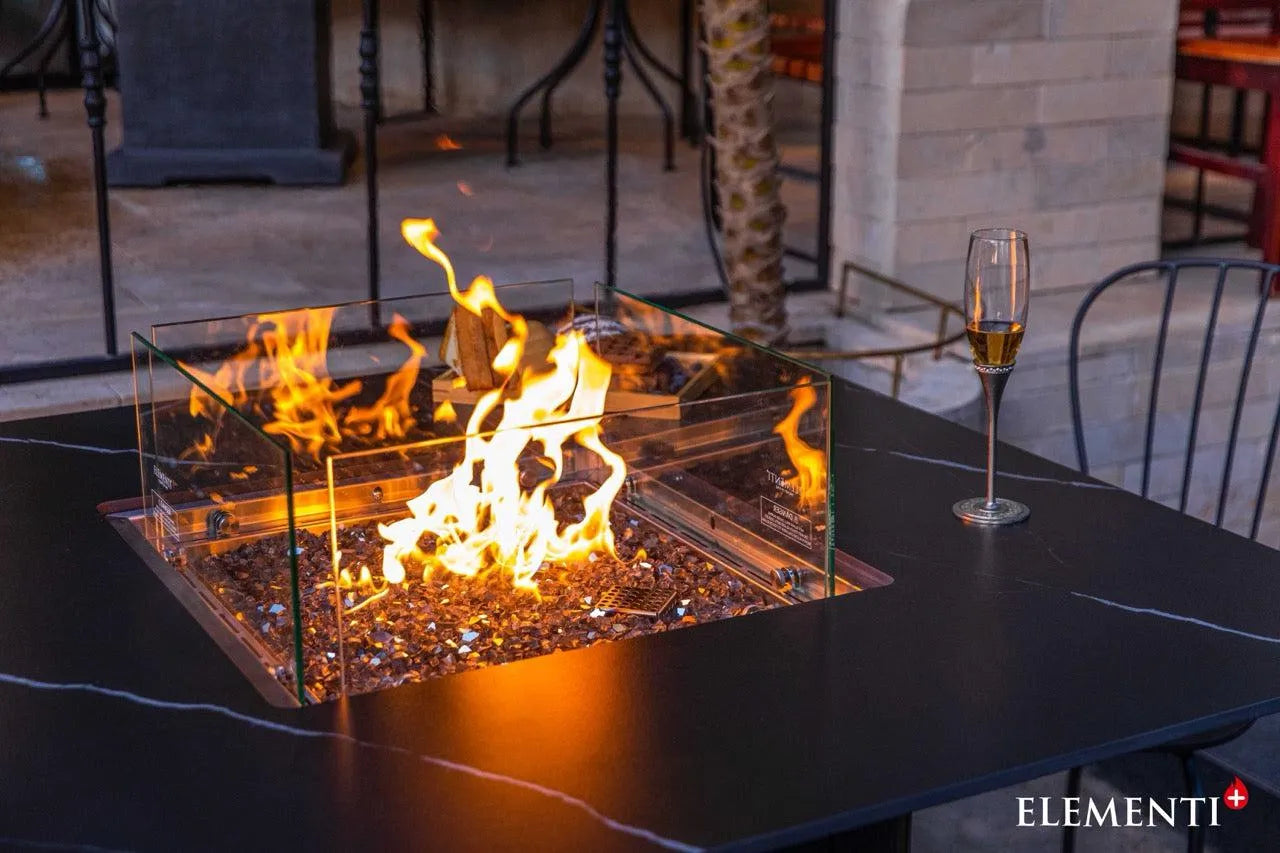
164,512
787,522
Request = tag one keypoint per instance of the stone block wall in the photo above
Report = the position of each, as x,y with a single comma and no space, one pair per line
1046,115
1051,116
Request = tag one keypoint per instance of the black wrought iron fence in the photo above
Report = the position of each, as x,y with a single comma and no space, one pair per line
90,26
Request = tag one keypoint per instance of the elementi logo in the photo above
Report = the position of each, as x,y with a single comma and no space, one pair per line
1130,811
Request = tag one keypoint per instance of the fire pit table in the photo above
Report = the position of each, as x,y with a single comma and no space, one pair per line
354,497
1103,625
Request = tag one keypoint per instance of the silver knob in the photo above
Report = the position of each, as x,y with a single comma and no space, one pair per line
221,522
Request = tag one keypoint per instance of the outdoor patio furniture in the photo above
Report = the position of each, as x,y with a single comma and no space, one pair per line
226,92
1227,273
1224,19
57,31
1252,274
621,42
796,41
1228,18
626,39
1242,64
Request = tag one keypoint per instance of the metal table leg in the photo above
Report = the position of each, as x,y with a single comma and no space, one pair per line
549,82
633,49
54,30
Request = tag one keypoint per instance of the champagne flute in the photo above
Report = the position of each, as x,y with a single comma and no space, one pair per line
996,292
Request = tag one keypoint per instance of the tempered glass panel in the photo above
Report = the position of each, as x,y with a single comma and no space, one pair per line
356,323
643,314
710,511
202,474
747,476
714,450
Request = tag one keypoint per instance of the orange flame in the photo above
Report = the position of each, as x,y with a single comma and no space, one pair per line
227,384
444,142
390,416
290,351
810,464
485,520
295,370
445,413
201,448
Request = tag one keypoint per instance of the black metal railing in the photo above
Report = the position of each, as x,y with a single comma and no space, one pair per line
898,355
621,43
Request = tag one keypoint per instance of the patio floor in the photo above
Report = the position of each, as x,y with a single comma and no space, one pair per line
187,252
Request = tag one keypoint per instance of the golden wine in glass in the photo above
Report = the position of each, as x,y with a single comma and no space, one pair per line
996,291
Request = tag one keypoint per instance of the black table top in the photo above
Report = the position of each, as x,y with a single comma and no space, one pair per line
1103,625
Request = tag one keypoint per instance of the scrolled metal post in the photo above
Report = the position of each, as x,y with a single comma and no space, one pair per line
95,105
826,145
370,103
688,103
612,87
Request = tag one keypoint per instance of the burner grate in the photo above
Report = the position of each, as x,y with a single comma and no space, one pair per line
636,600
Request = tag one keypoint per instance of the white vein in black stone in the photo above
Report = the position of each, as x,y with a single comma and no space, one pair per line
114,451
960,466
1177,617
108,451
1145,611
34,844
295,731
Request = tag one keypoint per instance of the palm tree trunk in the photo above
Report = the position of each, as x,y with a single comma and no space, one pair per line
752,215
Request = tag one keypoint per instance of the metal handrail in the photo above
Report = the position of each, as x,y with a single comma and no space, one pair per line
898,354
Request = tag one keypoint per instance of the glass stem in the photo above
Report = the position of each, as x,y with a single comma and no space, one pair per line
993,382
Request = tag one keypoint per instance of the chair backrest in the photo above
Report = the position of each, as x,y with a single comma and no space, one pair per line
1228,18
1247,284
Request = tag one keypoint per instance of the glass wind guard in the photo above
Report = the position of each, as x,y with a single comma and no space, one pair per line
337,473
195,491
706,517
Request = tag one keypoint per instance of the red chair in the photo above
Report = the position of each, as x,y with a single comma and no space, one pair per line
1228,43
796,41
1227,18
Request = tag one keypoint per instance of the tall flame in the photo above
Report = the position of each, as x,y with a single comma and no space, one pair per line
810,464
481,517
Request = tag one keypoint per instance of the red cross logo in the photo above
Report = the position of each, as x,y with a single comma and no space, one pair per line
1236,796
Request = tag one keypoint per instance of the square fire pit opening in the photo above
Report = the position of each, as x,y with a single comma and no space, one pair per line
357,496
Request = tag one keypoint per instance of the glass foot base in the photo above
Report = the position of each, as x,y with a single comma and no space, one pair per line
1003,511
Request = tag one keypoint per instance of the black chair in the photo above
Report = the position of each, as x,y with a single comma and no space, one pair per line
1235,273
